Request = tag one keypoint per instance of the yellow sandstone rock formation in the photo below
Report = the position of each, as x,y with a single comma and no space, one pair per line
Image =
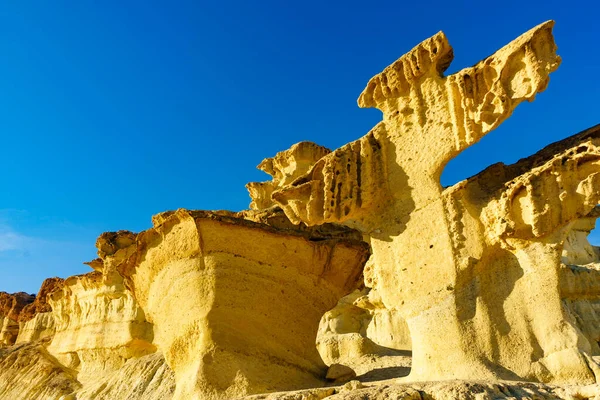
490,279
36,320
350,334
27,372
363,337
99,326
11,306
142,378
579,278
285,167
244,299
473,269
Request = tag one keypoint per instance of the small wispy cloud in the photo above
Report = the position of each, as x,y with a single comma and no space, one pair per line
11,240
28,256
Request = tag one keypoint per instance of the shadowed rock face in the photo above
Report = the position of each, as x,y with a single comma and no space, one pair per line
491,278
285,167
474,269
580,279
11,306
244,299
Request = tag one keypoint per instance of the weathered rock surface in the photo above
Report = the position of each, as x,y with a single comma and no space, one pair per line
579,278
510,243
39,327
40,304
492,279
98,327
36,320
474,268
445,390
285,167
11,306
363,337
27,371
245,299
144,378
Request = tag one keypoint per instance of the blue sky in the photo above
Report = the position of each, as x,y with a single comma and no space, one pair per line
112,111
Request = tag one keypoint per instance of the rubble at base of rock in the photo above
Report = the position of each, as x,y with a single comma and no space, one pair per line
353,274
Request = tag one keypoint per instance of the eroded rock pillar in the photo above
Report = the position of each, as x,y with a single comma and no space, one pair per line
434,256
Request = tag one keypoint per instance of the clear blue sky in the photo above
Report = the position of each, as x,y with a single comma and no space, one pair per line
112,111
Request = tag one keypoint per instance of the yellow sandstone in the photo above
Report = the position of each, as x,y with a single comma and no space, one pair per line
236,304
98,326
355,259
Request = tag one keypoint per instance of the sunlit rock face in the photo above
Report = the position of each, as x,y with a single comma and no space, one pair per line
39,327
140,378
98,326
473,269
285,167
348,334
514,226
236,304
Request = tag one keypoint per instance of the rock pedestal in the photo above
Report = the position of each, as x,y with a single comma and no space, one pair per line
98,327
11,306
473,269
244,300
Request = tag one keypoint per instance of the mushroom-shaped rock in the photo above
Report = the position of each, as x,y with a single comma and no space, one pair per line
511,228
236,304
426,249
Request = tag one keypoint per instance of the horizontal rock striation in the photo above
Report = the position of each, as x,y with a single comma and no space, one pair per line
245,299
98,327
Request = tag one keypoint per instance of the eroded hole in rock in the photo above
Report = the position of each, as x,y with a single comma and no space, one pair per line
580,278
360,333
